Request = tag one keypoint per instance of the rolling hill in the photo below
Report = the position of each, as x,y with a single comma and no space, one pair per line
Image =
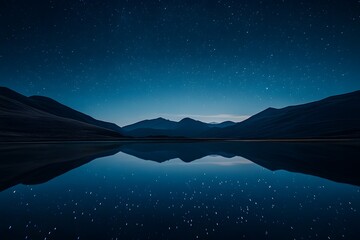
42,119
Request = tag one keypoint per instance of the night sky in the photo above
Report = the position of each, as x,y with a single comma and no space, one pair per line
124,61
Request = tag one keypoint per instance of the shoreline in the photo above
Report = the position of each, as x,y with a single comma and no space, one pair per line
180,140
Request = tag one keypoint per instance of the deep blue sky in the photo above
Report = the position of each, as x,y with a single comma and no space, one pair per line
124,61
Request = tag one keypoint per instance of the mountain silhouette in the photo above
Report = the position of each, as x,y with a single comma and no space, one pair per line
333,117
158,127
40,118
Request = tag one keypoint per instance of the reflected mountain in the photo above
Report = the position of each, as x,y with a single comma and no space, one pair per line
337,161
38,163
186,151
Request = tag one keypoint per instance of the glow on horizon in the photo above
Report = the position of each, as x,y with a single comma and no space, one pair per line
216,118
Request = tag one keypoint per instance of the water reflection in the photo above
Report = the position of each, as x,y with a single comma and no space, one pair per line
190,190
38,163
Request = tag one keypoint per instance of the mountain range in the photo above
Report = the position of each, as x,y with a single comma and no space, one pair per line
333,117
40,118
186,127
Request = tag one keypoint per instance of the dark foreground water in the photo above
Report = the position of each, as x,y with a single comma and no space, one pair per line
207,191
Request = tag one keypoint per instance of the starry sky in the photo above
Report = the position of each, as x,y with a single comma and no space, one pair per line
125,61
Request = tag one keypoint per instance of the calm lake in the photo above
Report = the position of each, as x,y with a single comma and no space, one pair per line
172,190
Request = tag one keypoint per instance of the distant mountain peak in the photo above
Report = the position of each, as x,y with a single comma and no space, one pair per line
189,122
187,119
161,119
156,123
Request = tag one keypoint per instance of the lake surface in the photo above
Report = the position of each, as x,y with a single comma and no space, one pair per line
190,190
